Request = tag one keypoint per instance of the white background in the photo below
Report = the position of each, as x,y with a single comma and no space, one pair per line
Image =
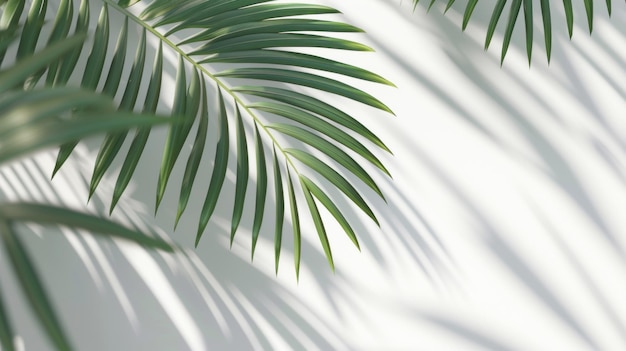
504,227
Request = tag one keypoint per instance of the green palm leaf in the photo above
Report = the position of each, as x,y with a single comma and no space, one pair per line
280,211
25,271
6,331
525,6
32,286
319,224
261,189
31,119
250,55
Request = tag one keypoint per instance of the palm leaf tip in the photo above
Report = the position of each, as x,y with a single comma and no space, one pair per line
280,210
318,193
242,175
319,225
517,6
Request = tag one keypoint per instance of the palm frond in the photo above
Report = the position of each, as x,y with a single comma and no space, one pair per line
36,118
248,54
525,6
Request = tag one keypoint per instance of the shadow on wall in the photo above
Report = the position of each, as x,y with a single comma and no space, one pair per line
112,295
559,124
209,297
195,299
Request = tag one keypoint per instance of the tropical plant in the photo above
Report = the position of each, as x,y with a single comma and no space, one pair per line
50,96
526,6
254,39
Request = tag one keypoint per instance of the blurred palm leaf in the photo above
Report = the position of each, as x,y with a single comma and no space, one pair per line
526,6
220,44
25,271
37,118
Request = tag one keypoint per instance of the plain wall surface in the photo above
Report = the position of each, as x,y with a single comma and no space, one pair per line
504,227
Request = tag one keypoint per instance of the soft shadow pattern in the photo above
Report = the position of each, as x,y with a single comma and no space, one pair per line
538,124
216,301
511,260
467,332
214,298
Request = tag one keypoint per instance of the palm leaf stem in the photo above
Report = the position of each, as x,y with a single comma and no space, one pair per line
217,81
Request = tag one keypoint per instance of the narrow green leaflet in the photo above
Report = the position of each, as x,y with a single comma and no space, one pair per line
194,157
32,286
6,331
335,178
30,65
528,21
7,36
513,12
547,26
30,119
276,57
126,3
330,150
12,9
9,21
50,133
113,142
44,214
30,34
295,224
142,134
280,211
271,26
60,30
469,9
91,75
493,22
310,120
32,28
117,63
219,169
170,152
242,176
229,13
20,110
315,106
569,16
319,225
449,5
194,95
97,56
271,40
68,64
332,208
307,80
261,189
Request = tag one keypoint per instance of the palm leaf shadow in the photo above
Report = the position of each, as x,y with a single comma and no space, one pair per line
205,290
463,54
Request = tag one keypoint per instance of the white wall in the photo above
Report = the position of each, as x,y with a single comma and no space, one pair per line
503,228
